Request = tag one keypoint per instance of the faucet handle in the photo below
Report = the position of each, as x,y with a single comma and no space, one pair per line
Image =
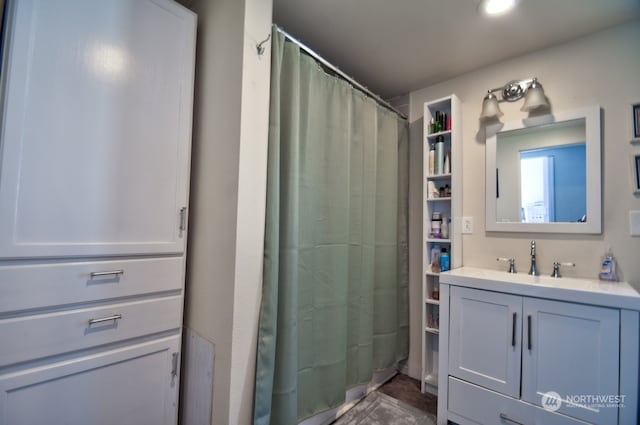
556,268
512,263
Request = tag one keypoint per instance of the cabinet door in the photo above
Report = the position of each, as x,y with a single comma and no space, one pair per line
95,138
129,386
485,338
572,350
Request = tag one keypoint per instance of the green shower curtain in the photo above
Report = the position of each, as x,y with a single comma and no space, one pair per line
335,288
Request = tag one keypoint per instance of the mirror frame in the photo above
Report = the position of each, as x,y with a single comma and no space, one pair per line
593,143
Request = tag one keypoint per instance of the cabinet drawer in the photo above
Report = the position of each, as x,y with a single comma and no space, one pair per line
33,286
471,404
42,335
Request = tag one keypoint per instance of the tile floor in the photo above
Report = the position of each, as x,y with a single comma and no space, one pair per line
407,389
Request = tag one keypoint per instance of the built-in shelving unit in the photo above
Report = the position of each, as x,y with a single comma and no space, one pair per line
450,207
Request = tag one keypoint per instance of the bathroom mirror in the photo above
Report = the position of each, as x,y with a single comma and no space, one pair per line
543,174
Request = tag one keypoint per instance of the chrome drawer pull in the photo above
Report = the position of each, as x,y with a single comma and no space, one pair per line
105,319
107,273
504,417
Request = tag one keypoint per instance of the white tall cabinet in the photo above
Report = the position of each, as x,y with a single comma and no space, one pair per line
449,206
94,176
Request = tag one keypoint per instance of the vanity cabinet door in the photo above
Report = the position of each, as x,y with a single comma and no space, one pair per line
96,127
485,339
134,385
572,350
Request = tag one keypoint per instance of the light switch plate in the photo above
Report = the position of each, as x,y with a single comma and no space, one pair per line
634,223
467,225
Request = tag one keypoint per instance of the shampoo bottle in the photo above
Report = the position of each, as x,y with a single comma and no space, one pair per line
439,155
432,159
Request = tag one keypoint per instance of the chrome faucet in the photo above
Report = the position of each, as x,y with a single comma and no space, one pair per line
533,270
556,268
511,261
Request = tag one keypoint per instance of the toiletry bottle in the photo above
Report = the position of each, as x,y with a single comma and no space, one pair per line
435,258
436,222
608,268
432,126
432,159
447,164
444,260
439,160
444,228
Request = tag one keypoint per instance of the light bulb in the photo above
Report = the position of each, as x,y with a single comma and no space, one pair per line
497,7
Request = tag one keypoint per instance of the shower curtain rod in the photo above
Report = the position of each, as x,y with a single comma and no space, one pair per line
342,75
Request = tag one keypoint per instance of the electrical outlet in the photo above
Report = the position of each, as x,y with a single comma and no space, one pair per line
467,225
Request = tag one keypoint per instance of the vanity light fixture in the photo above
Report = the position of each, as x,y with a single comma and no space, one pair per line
530,89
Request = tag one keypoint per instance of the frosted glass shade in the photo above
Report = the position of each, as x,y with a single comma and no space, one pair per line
490,108
534,98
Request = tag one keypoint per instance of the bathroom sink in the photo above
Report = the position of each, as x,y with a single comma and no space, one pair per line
588,291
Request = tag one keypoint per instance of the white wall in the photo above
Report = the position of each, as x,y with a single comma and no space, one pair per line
599,69
226,220
252,188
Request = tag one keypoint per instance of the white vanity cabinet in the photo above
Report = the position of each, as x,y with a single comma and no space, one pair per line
510,343
95,143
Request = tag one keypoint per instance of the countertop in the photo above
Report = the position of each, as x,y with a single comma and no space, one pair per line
584,291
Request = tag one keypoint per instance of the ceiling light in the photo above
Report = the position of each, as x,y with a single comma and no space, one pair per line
497,7
531,90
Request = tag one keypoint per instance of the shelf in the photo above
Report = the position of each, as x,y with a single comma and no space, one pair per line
440,133
448,206
438,240
439,176
635,141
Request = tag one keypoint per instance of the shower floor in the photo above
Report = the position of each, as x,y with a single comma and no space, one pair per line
406,389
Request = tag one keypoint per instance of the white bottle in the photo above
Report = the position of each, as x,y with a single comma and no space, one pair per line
432,159
439,161
447,164
444,228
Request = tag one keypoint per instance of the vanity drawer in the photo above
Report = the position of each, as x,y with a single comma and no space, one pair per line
36,336
471,404
32,286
